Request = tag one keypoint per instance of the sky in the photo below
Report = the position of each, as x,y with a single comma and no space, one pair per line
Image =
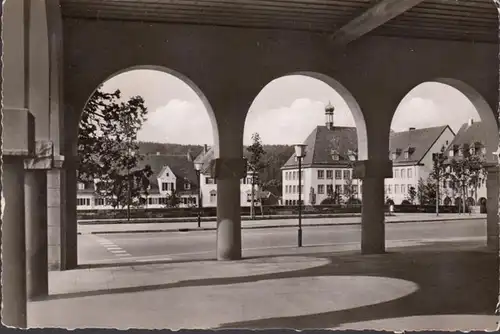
284,112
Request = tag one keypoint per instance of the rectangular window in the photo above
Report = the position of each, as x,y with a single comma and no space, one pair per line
396,173
321,188
338,189
329,174
396,188
81,186
409,173
321,174
150,201
164,186
389,189
403,174
355,189
209,180
329,189
295,175
347,174
338,175
294,189
403,188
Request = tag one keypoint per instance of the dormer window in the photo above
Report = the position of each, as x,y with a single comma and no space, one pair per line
407,155
394,156
451,154
472,150
483,150
187,186
335,155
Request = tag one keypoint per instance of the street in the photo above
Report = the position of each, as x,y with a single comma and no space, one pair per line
164,246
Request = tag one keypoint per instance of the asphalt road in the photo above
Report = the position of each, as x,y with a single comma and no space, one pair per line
132,247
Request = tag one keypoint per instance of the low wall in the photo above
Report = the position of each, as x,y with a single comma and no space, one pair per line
271,210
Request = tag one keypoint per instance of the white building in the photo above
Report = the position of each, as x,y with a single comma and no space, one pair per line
411,153
332,150
209,184
469,140
170,173
326,167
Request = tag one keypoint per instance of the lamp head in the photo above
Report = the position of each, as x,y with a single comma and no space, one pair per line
300,150
197,166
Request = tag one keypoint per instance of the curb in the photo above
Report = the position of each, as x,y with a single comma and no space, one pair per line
192,229
114,221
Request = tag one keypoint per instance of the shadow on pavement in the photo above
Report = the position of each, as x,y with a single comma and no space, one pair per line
450,282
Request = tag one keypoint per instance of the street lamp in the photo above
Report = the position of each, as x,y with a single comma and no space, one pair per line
131,154
197,168
438,158
300,153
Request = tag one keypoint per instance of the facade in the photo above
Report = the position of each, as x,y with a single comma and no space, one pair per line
327,166
469,140
209,184
170,173
331,151
411,153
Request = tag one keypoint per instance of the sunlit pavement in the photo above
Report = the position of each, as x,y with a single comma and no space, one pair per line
161,246
451,284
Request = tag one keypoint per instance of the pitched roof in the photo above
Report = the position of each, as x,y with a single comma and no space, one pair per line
179,164
467,134
322,141
421,140
206,158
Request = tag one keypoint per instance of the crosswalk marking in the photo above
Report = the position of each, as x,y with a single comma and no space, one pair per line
113,248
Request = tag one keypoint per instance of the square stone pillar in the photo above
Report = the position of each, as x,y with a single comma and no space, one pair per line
36,219
492,191
18,143
373,174
228,173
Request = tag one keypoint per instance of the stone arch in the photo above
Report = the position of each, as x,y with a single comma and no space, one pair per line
348,98
165,70
488,117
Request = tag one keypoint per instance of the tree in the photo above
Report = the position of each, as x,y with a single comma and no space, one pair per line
108,151
173,200
255,165
349,190
426,192
412,194
464,172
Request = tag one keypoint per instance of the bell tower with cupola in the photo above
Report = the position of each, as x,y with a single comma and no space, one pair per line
329,109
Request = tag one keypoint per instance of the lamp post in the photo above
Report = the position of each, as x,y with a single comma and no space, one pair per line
437,157
197,168
300,153
131,153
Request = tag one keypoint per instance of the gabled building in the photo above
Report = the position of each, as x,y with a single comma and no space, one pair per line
170,173
327,166
209,184
411,153
331,152
468,141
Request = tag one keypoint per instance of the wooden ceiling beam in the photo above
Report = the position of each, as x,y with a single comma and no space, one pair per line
382,12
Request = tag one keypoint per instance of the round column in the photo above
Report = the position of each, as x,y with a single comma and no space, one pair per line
372,216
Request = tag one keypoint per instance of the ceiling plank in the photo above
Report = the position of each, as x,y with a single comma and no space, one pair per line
374,17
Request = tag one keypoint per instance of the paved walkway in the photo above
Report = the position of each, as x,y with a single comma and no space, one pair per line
444,286
275,223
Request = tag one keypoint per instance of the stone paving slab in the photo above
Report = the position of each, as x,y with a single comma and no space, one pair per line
313,289
192,226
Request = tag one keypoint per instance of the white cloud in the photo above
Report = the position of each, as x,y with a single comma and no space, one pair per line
178,121
291,124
